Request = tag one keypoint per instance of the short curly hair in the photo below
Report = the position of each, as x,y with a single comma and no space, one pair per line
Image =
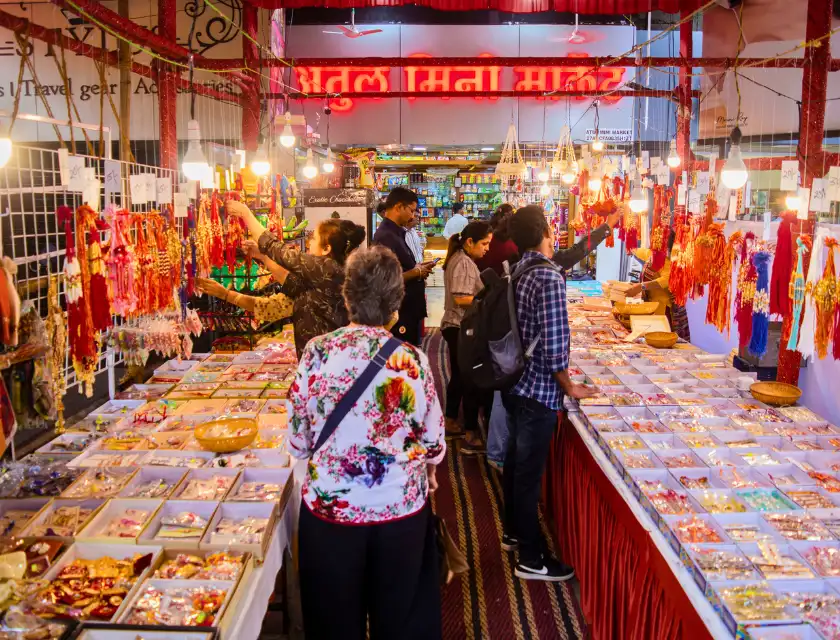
373,286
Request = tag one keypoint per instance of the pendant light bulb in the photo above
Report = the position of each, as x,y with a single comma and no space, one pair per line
595,184
260,164
5,151
638,200
793,201
310,169
543,175
734,174
545,189
329,165
287,137
195,165
673,157
597,143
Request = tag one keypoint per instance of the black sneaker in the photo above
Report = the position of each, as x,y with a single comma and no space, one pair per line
509,542
547,570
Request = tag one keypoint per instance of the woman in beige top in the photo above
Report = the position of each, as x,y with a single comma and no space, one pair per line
462,281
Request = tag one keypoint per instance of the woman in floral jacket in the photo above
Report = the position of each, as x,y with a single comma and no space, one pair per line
367,549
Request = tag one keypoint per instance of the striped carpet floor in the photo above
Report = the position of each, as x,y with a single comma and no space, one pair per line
490,602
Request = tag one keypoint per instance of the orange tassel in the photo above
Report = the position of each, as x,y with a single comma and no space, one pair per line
825,297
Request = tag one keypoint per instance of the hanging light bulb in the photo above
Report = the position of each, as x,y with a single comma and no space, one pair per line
310,169
259,163
5,150
545,189
597,143
328,165
595,184
793,201
287,137
638,200
673,157
569,173
734,174
195,165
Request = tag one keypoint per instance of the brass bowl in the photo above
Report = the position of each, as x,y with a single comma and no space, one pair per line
777,394
643,309
661,339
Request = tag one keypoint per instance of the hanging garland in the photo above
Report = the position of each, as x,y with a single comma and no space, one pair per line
761,304
704,247
720,276
747,276
661,226
780,274
796,291
681,280
825,299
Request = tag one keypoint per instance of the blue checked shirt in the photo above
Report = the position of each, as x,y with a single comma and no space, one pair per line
541,311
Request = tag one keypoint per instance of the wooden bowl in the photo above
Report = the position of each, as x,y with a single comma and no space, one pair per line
242,432
778,394
643,309
624,320
661,339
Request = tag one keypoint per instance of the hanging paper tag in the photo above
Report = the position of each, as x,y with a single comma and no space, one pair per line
63,166
834,184
804,202
790,175
625,163
685,178
113,180
645,159
713,158
681,190
182,202
703,182
694,200
733,206
190,188
663,174
164,190
819,196
723,206
747,195
91,192
151,186
76,173
137,189
584,151
765,230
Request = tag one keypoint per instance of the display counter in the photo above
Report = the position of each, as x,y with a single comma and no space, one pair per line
688,508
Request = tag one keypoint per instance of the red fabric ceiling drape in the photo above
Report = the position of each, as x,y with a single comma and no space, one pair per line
588,7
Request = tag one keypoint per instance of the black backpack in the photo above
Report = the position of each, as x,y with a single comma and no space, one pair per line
490,352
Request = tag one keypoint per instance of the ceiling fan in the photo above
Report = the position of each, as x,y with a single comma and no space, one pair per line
353,31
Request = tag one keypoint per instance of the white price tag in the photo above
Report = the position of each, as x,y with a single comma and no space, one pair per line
681,190
150,180
723,207
694,200
645,159
76,173
703,182
163,186
804,202
819,196
63,166
790,175
765,230
182,202
137,188
834,184
733,206
663,174
113,180
747,195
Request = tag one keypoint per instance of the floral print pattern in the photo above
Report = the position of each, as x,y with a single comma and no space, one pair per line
373,467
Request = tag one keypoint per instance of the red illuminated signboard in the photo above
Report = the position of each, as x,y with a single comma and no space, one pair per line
466,79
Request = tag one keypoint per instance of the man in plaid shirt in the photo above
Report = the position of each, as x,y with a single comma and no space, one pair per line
534,402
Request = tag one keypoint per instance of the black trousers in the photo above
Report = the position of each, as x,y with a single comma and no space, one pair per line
382,574
532,426
459,390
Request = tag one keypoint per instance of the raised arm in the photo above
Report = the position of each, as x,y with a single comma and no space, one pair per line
568,258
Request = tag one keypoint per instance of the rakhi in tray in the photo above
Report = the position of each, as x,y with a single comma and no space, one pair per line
89,589
221,565
170,604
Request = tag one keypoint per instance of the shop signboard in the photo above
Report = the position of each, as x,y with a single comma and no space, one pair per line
338,204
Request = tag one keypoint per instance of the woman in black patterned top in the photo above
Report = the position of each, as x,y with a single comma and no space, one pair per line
315,278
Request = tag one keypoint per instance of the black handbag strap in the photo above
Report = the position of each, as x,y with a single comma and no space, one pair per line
355,392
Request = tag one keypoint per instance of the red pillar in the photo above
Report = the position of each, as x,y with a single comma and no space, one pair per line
251,96
684,107
167,90
811,132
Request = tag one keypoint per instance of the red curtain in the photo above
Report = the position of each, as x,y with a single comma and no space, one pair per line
588,7
627,589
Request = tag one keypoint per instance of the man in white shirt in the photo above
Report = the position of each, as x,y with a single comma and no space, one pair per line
415,240
456,223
